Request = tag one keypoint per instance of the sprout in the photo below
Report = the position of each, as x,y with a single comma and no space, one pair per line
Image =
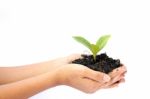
94,48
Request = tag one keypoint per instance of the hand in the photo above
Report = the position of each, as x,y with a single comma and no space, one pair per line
81,77
65,60
117,77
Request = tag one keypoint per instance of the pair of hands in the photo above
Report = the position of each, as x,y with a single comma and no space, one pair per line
85,79
29,80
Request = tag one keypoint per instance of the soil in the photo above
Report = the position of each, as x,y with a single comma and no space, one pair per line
103,63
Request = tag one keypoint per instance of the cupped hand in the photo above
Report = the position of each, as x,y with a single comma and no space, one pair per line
81,78
116,76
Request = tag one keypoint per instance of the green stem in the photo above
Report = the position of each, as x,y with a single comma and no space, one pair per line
94,56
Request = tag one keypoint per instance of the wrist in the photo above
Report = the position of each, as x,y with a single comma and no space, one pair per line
61,78
52,78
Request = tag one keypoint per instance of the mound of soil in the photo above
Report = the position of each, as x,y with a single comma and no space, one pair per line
103,63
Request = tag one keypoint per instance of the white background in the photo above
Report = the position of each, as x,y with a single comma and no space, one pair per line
38,30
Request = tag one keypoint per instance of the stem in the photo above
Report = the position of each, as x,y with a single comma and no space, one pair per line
94,56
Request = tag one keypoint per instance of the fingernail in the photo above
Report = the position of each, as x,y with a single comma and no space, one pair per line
106,78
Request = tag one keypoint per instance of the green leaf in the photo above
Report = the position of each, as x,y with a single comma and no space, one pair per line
102,41
83,41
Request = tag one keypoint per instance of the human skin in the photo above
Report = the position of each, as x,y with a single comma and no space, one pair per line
25,81
30,70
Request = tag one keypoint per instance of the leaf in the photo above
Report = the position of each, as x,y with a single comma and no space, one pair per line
83,41
102,41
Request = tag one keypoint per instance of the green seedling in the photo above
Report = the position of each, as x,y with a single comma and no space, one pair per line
94,48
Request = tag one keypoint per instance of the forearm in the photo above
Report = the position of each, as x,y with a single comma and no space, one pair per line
12,74
28,87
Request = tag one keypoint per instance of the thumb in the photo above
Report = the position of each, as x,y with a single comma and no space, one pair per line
73,57
96,75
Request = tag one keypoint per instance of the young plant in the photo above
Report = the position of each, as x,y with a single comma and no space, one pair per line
94,48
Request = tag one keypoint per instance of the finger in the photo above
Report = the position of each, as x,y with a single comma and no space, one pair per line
118,71
116,84
116,75
114,80
95,75
122,80
112,86
123,74
117,78
72,57
106,87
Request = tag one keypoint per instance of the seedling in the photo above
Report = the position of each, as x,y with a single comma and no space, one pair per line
94,48
101,62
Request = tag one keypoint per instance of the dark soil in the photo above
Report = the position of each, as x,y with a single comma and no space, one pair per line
103,63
